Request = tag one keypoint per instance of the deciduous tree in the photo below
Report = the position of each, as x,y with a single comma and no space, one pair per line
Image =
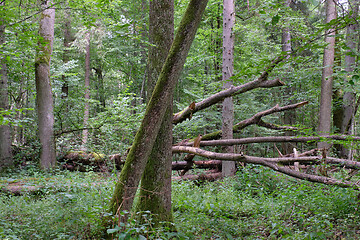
327,74
5,137
228,167
155,191
154,116
44,97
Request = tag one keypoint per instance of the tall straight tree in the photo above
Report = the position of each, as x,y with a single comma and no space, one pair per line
5,137
289,117
44,97
228,167
85,132
352,39
68,38
155,191
327,75
144,141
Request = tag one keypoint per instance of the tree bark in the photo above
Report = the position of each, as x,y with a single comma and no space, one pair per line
67,41
228,167
327,75
348,106
155,190
133,169
44,98
85,132
5,131
289,117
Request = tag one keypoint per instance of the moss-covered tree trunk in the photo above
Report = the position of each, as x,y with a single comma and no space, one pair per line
155,191
144,141
44,98
5,138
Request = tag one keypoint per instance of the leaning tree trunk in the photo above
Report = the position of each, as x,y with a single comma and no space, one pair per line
228,167
327,78
155,191
139,153
44,98
5,137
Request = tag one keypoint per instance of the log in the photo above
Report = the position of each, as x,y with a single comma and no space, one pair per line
229,142
212,164
201,177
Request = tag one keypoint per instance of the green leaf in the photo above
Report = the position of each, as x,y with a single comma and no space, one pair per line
354,78
275,19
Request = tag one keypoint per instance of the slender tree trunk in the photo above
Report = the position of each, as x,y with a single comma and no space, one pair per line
155,191
85,132
44,98
100,87
289,117
66,55
5,133
327,78
138,155
348,106
228,167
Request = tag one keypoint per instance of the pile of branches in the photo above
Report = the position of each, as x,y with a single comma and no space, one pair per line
295,165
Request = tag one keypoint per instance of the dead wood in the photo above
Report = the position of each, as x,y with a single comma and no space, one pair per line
261,82
229,142
211,164
85,161
256,119
273,164
201,177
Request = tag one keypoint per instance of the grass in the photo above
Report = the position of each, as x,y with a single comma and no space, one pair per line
255,204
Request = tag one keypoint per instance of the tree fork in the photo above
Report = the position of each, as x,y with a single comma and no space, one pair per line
132,171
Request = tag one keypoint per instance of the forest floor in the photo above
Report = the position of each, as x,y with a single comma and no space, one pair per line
255,204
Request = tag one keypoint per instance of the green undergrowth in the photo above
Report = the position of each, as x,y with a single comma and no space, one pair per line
255,204
261,204
69,205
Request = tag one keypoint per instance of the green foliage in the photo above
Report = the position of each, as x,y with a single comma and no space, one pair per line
261,204
9,117
68,206
256,204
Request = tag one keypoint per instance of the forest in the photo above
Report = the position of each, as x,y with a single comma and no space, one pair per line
174,119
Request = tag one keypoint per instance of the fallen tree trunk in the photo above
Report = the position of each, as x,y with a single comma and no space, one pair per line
201,177
256,119
272,163
211,164
229,142
261,82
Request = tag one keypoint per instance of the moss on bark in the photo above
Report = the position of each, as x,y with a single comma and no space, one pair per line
145,138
